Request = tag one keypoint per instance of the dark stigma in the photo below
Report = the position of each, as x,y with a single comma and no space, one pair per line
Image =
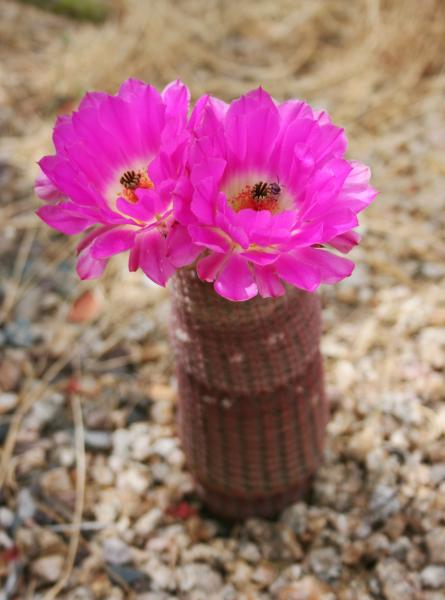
130,180
260,190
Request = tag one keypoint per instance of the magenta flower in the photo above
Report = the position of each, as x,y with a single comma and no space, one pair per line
116,165
268,190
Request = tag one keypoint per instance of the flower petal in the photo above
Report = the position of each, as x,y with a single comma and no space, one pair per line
46,190
235,281
260,258
152,257
345,241
182,197
269,285
181,250
332,268
61,217
113,241
202,203
88,267
209,267
176,97
357,194
251,125
209,237
296,272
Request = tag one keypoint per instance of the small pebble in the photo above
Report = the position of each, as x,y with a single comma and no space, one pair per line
435,541
8,402
196,576
19,333
9,374
250,552
25,504
100,441
48,568
57,483
433,576
395,582
326,563
6,517
148,522
115,551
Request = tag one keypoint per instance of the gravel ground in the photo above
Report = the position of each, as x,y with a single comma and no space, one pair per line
95,499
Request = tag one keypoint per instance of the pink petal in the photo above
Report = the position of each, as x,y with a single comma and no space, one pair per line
118,118
88,267
181,250
144,115
357,194
61,217
96,173
323,188
182,197
331,268
136,210
205,106
269,285
87,239
322,117
292,158
169,165
260,258
235,281
346,241
209,267
152,257
94,135
113,241
197,112
209,237
290,110
176,97
203,200
91,100
227,220
153,202
68,180
252,124
135,254
212,167
332,143
337,222
296,272
208,146
308,234
264,228
46,190
63,133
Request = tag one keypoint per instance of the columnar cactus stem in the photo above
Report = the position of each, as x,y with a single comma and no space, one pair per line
252,409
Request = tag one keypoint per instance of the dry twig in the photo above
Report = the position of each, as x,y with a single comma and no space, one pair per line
80,496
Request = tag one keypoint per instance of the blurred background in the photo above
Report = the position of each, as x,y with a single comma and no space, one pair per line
95,500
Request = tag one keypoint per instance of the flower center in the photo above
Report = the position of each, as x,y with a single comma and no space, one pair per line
131,181
263,195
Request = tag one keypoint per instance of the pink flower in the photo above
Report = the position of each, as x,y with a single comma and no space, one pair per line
116,165
268,190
